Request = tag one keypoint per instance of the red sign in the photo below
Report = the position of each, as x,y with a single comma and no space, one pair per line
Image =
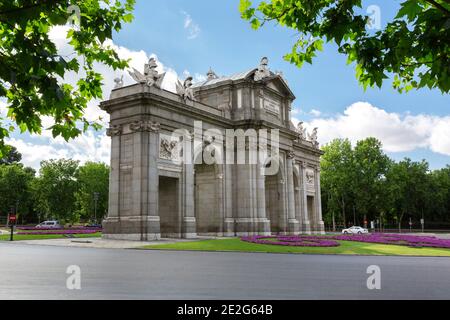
12,218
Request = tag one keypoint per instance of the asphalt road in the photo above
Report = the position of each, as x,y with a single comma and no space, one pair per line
39,272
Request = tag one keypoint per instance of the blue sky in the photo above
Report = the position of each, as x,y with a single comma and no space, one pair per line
191,36
227,43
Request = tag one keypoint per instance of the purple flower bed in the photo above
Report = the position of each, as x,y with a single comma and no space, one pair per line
59,229
295,241
397,239
60,232
330,241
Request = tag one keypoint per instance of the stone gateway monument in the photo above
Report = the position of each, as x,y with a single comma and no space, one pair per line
217,158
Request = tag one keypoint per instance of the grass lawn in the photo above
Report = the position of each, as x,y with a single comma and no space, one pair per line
346,247
18,237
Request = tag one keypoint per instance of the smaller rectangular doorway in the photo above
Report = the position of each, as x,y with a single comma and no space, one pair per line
169,213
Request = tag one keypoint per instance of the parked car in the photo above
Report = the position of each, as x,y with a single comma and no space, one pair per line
355,230
51,224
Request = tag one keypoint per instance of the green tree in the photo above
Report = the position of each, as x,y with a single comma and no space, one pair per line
438,198
32,71
370,165
11,155
15,189
92,178
55,190
337,177
414,46
408,185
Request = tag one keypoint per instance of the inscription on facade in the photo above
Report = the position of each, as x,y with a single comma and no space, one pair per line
272,104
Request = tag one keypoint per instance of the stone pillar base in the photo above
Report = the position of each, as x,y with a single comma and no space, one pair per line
246,227
293,227
228,227
306,227
132,228
262,226
321,228
189,229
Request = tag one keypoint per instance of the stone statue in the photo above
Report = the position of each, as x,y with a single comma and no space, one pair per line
151,77
263,70
310,176
211,75
185,90
313,137
118,82
301,131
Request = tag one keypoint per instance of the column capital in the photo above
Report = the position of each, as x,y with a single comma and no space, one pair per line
290,155
144,126
115,130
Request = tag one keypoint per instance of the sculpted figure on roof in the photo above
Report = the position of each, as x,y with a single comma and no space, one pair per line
151,77
263,70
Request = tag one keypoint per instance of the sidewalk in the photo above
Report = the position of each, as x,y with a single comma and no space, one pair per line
104,243
97,243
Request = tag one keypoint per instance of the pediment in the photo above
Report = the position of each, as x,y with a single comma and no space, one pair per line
278,84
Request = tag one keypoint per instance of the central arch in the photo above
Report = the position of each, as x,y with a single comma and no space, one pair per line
207,197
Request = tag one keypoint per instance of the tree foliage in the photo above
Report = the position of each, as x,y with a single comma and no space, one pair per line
408,183
370,167
15,189
364,178
32,72
414,47
55,190
337,176
92,178
11,155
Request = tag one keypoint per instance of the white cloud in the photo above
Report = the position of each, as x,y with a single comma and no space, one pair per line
315,113
398,133
192,28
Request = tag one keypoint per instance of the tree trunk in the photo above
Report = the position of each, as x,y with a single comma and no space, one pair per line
400,223
334,222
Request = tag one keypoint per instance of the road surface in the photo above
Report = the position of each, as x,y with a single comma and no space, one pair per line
39,272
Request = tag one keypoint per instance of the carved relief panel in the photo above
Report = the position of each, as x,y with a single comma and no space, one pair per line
170,148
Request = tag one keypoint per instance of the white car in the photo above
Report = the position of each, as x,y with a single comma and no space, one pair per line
355,230
52,224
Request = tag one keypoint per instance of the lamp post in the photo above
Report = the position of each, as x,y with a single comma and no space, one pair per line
96,196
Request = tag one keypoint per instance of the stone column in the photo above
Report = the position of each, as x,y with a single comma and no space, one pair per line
283,214
220,200
145,170
320,224
293,224
229,220
306,223
263,222
189,223
111,223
